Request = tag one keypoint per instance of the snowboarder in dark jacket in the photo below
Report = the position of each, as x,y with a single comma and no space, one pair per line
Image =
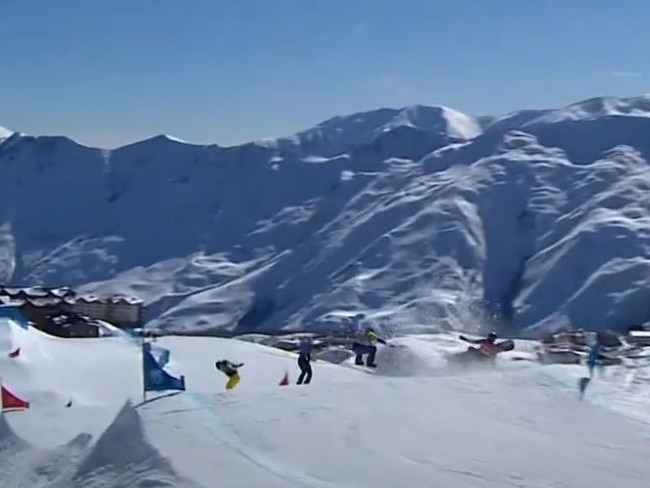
304,360
231,371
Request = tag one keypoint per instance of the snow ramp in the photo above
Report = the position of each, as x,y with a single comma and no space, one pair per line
514,427
51,371
121,456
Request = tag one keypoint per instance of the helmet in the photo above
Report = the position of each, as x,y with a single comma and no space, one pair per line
492,336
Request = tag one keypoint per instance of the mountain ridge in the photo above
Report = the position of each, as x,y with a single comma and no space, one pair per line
419,215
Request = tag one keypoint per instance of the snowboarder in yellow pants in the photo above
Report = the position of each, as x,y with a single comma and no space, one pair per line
230,370
232,381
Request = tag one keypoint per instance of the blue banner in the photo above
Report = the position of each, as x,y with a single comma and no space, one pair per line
155,378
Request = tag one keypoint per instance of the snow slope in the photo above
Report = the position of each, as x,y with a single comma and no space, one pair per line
529,222
348,428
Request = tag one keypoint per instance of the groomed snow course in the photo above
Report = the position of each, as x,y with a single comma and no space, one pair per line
519,424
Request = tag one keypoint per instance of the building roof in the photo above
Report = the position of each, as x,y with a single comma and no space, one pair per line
10,290
639,333
47,301
123,299
114,299
14,302
37,291
91,299
63,291
40,296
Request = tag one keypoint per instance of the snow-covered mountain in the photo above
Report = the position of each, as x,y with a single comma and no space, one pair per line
4,133
340,135
421,215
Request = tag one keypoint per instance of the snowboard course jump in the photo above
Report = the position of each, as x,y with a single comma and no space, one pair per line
413,420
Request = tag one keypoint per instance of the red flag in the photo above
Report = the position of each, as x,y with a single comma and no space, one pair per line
285,379
14,354
11,401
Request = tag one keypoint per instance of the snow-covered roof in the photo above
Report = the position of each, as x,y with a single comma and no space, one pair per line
61,292
115,299
125,299
10,290
640,333
46,301
90,299
36,291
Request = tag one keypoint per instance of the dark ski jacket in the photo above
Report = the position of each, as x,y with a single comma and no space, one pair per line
227,367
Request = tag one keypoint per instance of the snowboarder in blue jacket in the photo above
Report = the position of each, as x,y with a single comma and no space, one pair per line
593,357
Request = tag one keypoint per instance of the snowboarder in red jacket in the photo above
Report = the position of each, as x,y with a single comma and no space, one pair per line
487,346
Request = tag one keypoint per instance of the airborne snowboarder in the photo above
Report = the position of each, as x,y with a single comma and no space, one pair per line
593,359
487,346
231,371
487,351
366,343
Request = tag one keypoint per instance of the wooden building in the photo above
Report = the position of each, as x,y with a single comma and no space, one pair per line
124,312
60,312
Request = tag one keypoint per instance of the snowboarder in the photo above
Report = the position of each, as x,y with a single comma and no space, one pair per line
231,371
365,343
304,360
487,346
593,357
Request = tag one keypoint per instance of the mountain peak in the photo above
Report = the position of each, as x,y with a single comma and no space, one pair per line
339,134
597,107
167,138
5,133
437,119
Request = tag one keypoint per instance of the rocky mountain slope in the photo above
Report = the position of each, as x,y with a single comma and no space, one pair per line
421,216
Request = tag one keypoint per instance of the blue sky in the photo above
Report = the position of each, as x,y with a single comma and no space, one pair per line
228,71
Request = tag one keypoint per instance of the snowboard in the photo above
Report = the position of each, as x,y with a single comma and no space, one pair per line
507,345
358,367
